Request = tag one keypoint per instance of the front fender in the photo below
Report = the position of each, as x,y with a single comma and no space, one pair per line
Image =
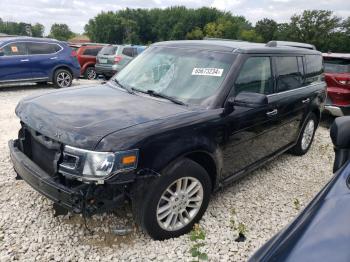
179,148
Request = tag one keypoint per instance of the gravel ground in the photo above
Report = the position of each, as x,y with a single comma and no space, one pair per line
264,201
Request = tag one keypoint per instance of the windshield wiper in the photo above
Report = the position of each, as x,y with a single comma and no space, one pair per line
123,87
160,95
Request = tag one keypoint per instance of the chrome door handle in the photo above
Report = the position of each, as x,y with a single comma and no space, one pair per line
53,57
305,101
272,113
24,60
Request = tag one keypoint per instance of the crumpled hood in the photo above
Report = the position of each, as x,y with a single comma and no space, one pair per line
81,117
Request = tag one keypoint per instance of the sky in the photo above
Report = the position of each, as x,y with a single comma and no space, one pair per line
76,13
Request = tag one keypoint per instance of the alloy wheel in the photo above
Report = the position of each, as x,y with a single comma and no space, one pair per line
307,135
91,73
63,79
180,203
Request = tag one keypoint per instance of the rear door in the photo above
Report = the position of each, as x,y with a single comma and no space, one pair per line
292,97
15,63
43,58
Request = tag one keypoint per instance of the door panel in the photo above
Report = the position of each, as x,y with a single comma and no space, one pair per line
292,99
248,138
250,133
15,64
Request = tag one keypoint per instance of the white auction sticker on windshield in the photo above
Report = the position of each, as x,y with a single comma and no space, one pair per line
207,71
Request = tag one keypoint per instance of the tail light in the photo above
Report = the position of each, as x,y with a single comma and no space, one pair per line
117,59
343,80
73,53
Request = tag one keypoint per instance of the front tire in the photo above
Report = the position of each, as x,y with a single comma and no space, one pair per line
173,202
62,78
306,136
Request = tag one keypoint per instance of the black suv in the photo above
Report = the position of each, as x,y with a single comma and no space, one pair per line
177,123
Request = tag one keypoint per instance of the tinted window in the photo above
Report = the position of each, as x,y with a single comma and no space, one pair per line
255,76
128,51
92,51
109,50
14,49
289,76
336,65
42,48
314,67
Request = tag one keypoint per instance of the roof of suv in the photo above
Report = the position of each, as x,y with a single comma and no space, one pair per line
27,38
235,46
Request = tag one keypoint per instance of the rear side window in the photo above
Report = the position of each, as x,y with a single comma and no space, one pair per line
289,76
314,67
42,48
109,50
128,51
14,49
255,76
92,51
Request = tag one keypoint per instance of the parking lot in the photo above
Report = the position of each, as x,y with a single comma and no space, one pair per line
264,201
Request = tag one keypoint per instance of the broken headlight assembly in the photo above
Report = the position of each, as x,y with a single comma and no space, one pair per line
88,165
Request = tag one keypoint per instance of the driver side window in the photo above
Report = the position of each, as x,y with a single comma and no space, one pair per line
255,76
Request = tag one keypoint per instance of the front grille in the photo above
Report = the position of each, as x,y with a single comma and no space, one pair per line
42,150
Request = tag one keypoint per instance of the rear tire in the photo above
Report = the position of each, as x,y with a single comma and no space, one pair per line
306,136
90,73
62,78
183,206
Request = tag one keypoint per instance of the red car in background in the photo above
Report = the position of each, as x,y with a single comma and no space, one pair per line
337,76
86,54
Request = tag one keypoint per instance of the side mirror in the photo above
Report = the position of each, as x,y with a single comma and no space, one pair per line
245,99
2,53
340,135
249,99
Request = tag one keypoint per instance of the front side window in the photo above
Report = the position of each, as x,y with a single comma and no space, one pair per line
189,75
42,48
255,76
289,76
14,49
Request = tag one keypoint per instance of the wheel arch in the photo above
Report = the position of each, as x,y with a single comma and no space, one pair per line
61,67
317,113
205,160
86,66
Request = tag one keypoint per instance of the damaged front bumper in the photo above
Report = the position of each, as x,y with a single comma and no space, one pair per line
85,198
43,183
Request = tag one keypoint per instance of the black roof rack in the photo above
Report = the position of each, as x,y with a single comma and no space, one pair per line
291,44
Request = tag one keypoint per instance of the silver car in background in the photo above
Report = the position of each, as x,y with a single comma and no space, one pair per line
112,58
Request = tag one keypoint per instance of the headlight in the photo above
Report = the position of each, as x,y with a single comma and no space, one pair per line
98,164
91,164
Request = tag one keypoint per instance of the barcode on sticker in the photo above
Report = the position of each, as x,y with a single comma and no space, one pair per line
207,71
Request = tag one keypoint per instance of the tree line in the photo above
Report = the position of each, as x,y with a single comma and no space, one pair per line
322,28
58,31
